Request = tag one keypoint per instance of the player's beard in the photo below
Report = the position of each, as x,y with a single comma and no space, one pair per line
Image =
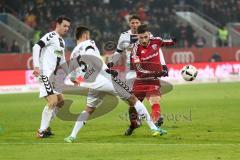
144,44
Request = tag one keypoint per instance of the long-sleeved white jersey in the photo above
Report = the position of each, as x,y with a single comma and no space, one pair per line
87,62
49,53
125,44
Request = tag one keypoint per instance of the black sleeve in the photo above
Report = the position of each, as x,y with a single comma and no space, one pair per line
89,47
119,50
41,43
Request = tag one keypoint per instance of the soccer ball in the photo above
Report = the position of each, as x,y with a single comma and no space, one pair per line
189,73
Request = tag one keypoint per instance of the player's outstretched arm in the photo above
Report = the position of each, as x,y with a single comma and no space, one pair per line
167,42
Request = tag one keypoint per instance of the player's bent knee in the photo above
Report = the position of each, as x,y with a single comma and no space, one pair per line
90,110
60,103
52,103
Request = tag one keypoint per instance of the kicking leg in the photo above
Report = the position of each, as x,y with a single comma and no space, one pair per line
134,119
142,112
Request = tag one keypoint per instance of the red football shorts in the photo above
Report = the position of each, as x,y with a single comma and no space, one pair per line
146,88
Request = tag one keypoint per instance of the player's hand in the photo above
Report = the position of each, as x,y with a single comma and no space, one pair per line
114,73
74,82
110,64
77,81
36,71
164,71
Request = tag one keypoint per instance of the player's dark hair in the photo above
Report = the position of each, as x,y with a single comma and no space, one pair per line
80,30
142,28
110,46
60,19
134,16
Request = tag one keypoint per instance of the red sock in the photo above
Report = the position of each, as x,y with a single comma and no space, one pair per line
155,112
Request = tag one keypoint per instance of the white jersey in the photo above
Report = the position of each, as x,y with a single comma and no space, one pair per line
48,55
125,44
52,53
87,62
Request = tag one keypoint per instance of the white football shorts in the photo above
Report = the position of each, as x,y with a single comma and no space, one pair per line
51,84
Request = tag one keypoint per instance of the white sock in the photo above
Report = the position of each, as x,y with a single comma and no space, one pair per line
142,111
46,118
55,111
80,123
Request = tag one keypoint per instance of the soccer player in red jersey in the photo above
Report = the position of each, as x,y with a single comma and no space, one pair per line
149,64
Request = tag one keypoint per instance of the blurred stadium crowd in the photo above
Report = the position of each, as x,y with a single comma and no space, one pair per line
108,18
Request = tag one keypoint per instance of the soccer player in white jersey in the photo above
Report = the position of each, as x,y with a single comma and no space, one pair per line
48,55
102,79
125,45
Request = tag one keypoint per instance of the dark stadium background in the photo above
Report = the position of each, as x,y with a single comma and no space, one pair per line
202,116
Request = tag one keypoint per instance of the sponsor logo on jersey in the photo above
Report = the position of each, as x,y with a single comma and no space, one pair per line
154,46
151,56
58,53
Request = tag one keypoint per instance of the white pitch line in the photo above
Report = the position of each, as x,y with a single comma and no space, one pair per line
141,144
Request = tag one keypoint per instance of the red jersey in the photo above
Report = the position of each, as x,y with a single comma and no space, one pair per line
150,57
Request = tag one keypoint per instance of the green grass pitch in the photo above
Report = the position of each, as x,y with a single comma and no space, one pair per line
203,123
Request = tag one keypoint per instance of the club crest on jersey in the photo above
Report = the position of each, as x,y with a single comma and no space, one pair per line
143,51
154,46
58,53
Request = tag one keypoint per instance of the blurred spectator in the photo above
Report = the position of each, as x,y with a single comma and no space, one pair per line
183,42
107,18
199,41
15,47
3,44
31,19
124,15
142,14
2,9
216,58
222,36
221,11
189,34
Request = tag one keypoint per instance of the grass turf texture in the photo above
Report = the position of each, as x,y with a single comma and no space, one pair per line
202,122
